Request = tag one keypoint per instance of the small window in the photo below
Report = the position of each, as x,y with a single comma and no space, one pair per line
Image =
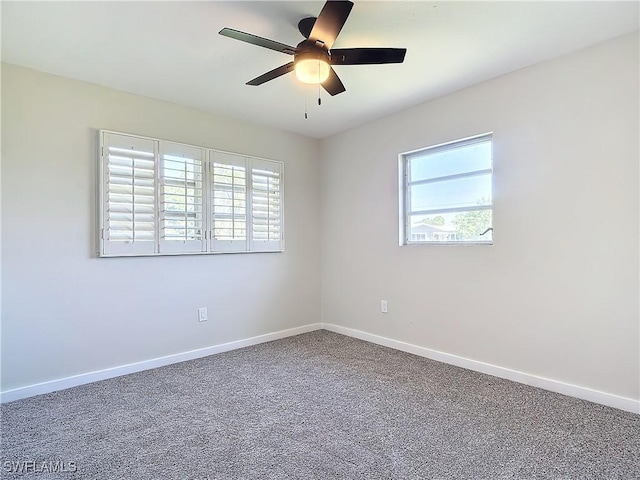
446,193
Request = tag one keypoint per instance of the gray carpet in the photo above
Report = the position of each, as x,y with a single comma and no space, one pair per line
316,406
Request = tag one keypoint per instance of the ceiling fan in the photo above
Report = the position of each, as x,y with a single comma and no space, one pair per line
313,57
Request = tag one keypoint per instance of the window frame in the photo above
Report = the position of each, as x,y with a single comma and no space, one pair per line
160,246
404,189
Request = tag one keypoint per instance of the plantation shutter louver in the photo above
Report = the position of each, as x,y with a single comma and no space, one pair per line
228,202
266,208
129,223
182,227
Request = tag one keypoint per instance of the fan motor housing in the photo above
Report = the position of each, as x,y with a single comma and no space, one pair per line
312,53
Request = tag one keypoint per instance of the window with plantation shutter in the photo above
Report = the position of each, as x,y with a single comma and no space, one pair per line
182,221
266,208
129,224
229,202
159,197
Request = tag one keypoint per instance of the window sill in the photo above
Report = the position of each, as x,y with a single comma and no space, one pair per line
446,244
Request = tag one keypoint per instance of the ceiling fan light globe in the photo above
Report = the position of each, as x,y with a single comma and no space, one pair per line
312,70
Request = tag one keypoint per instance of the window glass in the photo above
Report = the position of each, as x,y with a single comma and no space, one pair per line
448,193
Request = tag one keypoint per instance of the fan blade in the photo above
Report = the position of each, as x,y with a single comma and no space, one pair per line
330,21
275,73
255,40
367,56
333,85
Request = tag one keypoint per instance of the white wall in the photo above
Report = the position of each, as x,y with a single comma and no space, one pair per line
557,295
65,312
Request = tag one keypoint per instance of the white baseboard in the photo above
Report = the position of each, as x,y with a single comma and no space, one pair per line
608,399
84,378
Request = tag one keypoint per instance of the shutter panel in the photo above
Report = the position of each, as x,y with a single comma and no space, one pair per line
228,202
266,206
159,197
129,195
181,199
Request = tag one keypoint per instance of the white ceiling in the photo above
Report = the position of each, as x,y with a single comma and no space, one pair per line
172,50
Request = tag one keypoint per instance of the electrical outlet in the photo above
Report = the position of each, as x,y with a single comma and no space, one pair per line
202,314
383,306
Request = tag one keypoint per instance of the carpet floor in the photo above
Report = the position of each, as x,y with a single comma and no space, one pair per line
315,406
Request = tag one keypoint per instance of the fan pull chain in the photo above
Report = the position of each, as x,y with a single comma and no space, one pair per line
305,108
319,101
